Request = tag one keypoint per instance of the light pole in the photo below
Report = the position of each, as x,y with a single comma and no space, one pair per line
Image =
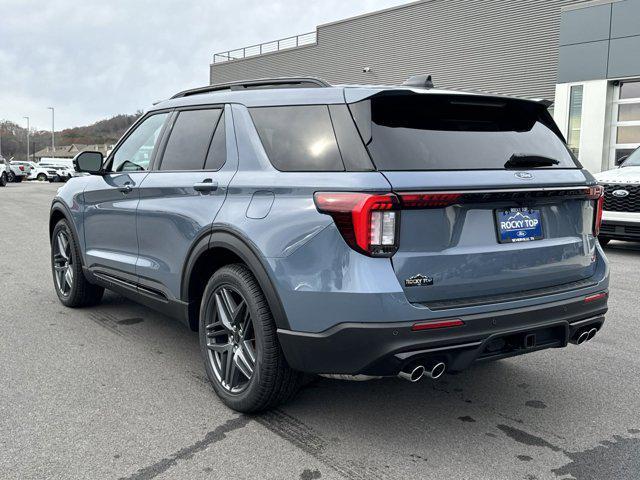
53,128
27,138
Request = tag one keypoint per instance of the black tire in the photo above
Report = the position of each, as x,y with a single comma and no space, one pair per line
604,241
11,177
80,293
42,177
3,179
272,381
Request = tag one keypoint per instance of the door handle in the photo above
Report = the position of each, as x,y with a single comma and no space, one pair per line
206,186
126,188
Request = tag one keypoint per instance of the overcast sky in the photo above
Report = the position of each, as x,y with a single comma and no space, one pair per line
92,59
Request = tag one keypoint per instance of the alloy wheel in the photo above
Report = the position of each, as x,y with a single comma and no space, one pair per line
63,263
231,341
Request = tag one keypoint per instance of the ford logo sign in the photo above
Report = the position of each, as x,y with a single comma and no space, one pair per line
620,193
524,175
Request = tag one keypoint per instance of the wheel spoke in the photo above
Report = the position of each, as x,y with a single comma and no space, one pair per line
62,246
219,347
247,347
229,368
222,309
244,364
68,276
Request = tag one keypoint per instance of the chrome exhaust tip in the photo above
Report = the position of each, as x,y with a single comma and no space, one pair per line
583,337
436,371
414,375
591,333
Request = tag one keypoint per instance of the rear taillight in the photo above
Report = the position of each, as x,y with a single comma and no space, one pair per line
597,193
367,222
21,168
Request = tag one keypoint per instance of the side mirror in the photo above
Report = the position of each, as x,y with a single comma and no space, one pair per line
89,162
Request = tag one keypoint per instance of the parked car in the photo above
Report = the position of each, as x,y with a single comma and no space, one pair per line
3,172
621,215
42,172
57,171
356,232
18,171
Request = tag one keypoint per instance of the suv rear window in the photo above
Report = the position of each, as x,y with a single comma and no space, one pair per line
298,138
456,132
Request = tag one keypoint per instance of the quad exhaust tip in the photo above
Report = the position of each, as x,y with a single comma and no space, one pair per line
435,372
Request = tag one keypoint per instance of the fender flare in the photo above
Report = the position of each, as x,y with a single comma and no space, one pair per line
60,206
234,241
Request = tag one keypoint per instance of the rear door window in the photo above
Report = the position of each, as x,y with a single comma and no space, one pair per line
189,139
298,138
456,132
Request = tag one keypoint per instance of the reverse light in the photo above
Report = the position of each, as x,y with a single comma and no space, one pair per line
368,222
438,324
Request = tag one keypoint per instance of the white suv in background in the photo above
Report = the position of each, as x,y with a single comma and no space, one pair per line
621,215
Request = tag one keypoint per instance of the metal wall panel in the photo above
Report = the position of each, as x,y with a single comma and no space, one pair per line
500,46
625,20
583,61
624,57
585,24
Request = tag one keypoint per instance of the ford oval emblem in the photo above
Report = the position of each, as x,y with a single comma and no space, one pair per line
620,193
524,175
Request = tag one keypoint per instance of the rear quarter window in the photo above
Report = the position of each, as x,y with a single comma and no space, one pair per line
298,138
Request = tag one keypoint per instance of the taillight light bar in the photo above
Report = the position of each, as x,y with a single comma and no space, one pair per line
429,200
437,324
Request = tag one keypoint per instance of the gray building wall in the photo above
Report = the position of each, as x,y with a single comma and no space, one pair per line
600,40
501,46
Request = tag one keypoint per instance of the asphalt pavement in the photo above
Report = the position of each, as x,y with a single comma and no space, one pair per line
119,391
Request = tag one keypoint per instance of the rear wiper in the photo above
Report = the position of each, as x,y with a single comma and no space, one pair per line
522,160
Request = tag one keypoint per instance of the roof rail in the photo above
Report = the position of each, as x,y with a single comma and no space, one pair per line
281,82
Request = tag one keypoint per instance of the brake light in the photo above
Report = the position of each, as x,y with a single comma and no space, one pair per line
597,193
367,222
21,167
440,324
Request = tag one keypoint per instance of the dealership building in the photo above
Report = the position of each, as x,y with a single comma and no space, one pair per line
583,55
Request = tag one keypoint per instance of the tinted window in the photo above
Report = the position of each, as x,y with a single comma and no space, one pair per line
218,150
456,132
298,138
135,152
189,140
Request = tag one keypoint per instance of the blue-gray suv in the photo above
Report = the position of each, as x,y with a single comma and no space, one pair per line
350,231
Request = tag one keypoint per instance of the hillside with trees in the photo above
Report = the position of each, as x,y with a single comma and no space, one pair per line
13,137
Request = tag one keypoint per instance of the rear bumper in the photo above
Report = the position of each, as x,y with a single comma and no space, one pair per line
386,348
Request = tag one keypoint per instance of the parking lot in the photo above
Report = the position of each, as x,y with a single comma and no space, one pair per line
119,391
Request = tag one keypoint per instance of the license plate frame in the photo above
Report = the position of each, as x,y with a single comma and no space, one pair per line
520,224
